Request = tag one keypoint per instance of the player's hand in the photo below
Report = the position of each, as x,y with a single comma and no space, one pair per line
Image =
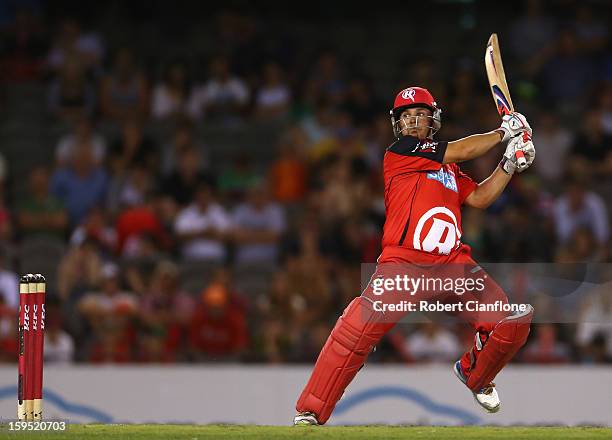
523,143
508,163
514,124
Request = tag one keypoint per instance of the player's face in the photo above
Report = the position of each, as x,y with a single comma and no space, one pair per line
416,121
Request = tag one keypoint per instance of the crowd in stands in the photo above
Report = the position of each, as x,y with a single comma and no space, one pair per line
163,253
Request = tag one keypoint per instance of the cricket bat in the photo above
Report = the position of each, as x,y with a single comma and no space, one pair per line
499,86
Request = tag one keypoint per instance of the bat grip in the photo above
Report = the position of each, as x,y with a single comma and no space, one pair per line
520,158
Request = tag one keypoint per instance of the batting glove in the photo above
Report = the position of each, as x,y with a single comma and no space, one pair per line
514,124
523,143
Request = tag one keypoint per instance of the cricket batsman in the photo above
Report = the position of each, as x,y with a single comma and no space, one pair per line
424,192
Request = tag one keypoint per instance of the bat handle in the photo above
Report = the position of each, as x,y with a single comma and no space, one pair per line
520,158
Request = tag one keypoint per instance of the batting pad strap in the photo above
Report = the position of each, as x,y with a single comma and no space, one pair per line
507,337
344,353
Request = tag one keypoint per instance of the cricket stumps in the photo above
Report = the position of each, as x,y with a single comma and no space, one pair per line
31,330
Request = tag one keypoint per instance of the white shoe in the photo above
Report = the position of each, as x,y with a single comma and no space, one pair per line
487,397
305,418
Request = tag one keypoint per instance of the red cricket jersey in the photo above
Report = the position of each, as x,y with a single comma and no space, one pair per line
423,199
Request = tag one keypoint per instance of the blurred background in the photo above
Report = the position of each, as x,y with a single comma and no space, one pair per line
201,183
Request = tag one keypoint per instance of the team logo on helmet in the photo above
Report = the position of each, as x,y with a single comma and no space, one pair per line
408,94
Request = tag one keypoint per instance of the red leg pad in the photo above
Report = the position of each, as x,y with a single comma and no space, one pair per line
353,338
507,337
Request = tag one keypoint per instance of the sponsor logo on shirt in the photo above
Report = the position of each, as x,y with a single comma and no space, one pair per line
426,147
446,178
443,235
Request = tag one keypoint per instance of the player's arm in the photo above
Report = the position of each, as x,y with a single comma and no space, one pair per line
476,145
487,191
471,147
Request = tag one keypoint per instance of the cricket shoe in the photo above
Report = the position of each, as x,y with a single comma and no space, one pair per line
305,418
487,397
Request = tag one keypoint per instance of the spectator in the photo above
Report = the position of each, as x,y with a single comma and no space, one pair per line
136,224
58,344
79,270
222,98
308,274
274,96
9,347
309,345
433,343
582,247
165,314
462,91
133,163
234,182
326,81
182,140
554,142
318,126
281,327
258,225
218,328
130,189
96,227
170,96
378,139
182,183
360,104
533,32
591,31
80,186
546,349
342,195
81,134
570,90
71,41
71,96
9,284
288,175
109,313
534,237
346,241
166,210
591,152
594,329
203,227
40,212
597,350
21,59
124,93
578,208
132,148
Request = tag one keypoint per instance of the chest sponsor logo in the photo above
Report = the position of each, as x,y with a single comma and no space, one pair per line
446,178
440,231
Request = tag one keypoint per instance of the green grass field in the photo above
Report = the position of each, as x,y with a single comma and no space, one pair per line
192,432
